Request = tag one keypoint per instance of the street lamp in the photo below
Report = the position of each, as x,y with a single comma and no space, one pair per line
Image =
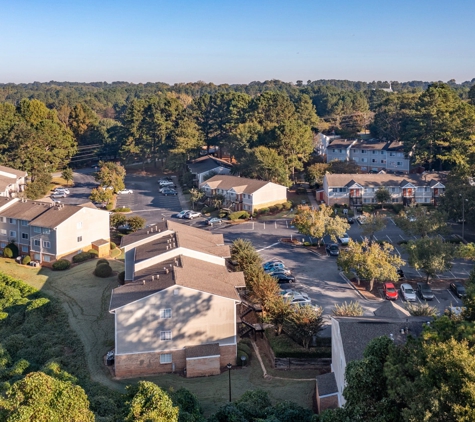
229,366
463,216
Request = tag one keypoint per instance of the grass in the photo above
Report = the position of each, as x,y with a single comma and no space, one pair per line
283,346
86,301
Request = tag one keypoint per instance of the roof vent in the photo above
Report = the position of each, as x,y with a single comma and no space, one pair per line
147,232
402,330
153,277
158,276
391,336
143,281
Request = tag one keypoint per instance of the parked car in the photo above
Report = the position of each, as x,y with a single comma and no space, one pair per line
192,214
125,191
350,220
274,271
169,192
273,265
166,183
62,190
400,273
333,249
213,220
58,195
408,293
458,289
181,214
344,239
296,298
425,292
283,278
390,291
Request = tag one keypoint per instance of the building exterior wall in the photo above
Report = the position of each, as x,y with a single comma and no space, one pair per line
338,360
268,195
202,367
228,354
328,402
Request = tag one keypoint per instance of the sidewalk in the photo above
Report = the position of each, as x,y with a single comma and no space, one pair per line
312,200
183,202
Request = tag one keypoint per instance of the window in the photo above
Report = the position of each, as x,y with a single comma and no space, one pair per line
366,200
3,244
3,231
426,199
24,222
340,151
12,233
46,258
36,256
165,313
12,220
395,199
3,219
382,152
24,249
374,152
165,335
383,161
393,190
166,358
37,229
373,160
399,154
24,236
46,231
399,163
79,225
37,242
46,244
79,238
364,160
363,151
392,154
369,190
334,150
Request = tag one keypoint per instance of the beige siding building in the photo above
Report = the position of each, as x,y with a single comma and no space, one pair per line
12,182
243,194
176,311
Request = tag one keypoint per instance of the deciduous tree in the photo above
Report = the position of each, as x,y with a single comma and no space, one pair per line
195,196
67,174
136,223
112,175
373,223
419,221
382,195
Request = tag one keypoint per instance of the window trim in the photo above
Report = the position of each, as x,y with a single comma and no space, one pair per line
165,334
164,357
165,312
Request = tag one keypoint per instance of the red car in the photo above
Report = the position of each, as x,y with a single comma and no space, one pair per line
390,291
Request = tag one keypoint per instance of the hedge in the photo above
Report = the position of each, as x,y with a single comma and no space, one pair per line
113,246
93,253
103,270
61,265
102,261
81,257
26,260
243,215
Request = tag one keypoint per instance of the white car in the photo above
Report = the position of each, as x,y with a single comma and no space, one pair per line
296,298
57,195
182,214
61,190
344,240
125,191
408,292
192,214
166,183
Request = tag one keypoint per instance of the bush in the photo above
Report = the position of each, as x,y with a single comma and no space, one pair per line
122,209
223,214
61,265
264,211
81,257
272,208
113,246
244,348
351,309
7,252
109,207
279,207
102,261
103,270
26,260
121,277
242,215
287,205
93,253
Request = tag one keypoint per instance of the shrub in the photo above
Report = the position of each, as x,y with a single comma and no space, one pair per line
301,191
255,214
93,253
242,215
7,252
14,249
102,261
287,205
122,209
207,210
26,260
103,270
422,309
109,207
306,243
244,348
61,265
81,257
279,207
113,246
121,277
348,309
222,214
264,211
272,208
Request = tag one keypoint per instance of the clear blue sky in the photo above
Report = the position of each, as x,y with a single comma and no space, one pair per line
236,41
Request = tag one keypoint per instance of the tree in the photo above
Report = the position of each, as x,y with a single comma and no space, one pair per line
39,397
195,196
267,164
67,174
430,255
117,220
217,201
382,195
148,402
39,187
185,141
275,308
419,221
190,407
315,172
373,223
319,223
136,223
253,404
101,195
370,261
344,167
305,322
112,175
82,118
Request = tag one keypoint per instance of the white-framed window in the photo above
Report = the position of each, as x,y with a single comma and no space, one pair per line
373,160
355,159
37,229
46,244
369,190
3,231
24,222
399,154
382,152
46,231
46,258
24,236
12,220
165,313
37,242
3,219
79,225
383,161
12,233
79,238
374,152
426,199
166,358
399,163
363,151
36,256
393,190
364,160
334,150
165,335
340,151
24,249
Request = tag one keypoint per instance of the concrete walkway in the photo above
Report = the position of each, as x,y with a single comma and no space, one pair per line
312,200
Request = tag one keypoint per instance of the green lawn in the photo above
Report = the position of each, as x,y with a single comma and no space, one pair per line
86,300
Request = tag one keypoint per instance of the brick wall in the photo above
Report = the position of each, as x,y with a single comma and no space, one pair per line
329,402
228,355
129,366
202,367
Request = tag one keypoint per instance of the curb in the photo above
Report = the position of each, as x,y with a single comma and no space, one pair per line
343,276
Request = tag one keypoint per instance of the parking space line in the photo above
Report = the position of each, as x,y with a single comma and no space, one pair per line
397,251
442,237
375,238
436,298
362,238
287,223
453,275
267,247
390,241
401,237
415,238
456,300
392,221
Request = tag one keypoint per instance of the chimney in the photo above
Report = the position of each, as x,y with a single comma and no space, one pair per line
143,282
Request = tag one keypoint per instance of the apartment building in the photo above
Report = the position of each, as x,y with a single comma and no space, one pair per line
203,167
47,231
360,189
241,193
12,182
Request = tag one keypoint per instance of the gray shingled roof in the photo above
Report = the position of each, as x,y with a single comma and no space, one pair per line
207,163
374,180
389,309
202,350
326,384
17,173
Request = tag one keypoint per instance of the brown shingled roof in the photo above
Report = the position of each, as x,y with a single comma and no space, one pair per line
28,210
370,180
239,184
53,216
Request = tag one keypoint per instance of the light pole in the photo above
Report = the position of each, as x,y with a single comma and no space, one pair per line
463,216
229,366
